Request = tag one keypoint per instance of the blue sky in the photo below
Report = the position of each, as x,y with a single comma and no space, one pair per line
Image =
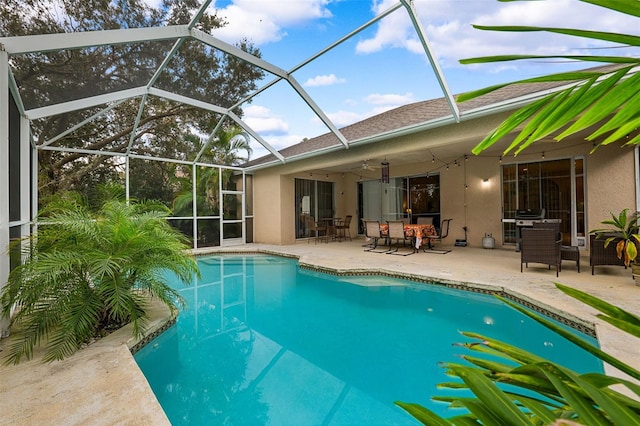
385,66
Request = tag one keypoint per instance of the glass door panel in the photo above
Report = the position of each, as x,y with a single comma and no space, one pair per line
315,199
424,198
232,217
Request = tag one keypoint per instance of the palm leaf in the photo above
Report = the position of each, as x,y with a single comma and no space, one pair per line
422,414
627,39
618,412
578,341
540,410
608,103
515,120
582,406
483,413
520,355
628,7
495,400
602,306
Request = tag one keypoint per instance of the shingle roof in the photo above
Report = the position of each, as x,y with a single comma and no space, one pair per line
415,114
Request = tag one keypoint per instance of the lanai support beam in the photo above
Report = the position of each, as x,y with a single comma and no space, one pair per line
417,25
4,179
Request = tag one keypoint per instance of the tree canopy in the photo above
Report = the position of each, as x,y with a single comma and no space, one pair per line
165,128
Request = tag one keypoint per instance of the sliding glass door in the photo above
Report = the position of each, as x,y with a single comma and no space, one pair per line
405,198
314,199
556,186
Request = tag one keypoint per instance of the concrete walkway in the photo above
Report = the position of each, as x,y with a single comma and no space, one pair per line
102,384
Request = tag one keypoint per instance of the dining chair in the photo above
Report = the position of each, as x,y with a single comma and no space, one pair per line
315,229
343,228
425,220
372,234
396,232
441,234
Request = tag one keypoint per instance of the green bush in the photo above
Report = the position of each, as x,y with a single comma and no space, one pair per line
87,273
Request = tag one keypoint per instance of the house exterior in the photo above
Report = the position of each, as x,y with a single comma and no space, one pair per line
429,156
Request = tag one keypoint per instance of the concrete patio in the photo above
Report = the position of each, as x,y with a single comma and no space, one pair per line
103,385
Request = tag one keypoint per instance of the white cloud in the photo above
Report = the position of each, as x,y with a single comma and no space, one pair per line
264,121
276,142
345,118
448,25
264,21
323,80
389,99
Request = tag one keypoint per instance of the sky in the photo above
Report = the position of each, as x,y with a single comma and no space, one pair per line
385,66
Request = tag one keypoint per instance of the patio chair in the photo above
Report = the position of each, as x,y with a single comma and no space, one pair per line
343,228
540,245
566,252
315,229
372,233
396,232
441,233
425,220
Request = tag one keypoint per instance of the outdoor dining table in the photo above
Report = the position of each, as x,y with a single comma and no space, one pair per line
417,232
330,224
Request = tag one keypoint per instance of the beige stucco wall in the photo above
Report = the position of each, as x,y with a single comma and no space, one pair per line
464,197
610,183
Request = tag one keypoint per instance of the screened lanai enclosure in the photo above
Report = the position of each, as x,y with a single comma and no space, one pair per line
150,100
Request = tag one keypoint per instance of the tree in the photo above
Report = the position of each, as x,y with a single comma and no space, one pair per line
607,99
88,273
196,70
224,149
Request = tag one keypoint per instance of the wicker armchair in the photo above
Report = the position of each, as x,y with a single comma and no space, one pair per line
540,245
601,255
566,252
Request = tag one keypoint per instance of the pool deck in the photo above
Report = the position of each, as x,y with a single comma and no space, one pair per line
103,385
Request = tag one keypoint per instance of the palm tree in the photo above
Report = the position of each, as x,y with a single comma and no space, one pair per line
224,149
86,274
542,392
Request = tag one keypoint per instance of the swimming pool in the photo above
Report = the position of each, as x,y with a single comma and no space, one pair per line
263,341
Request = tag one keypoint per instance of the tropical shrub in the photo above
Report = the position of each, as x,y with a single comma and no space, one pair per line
560,395
87,273
623,228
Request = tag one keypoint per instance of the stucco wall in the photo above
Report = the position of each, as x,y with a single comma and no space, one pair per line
268,207
465,198
610,183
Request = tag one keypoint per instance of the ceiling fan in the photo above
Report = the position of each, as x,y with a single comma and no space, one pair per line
366,166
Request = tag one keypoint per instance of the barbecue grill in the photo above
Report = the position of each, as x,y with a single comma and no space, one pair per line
527,217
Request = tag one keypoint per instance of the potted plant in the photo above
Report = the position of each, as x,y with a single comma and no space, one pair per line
624,229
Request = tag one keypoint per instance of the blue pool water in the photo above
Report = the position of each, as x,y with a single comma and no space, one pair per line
262,341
